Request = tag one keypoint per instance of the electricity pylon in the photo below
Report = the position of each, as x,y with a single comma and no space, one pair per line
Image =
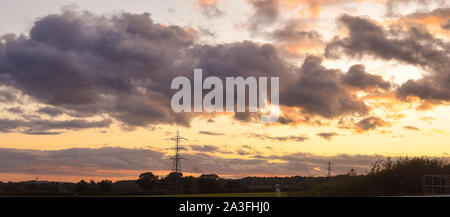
176,163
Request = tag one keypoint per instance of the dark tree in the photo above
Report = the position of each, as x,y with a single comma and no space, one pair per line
105,185
173,181
233,186
147,181
82,186
208,183
188,184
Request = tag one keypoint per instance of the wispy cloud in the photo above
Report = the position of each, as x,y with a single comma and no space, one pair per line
327,136
299,138
209,133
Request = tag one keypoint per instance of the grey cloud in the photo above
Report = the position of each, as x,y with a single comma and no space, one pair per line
246,116
243,153
410,128
439,12
366,37
80,161
211,149
357,77
327,136
393,7
299,138
131,53
7,96
15,110
320,91
210,133
106,161
204,31
122,66
38,126
51,111
204,148
414,46
292,31
210,8
446,25
241,59
41,133
340,163
91,64
370,123
266,12
425,88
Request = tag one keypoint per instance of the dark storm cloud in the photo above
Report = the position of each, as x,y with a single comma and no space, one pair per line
357,77
320,91
327,136
91,64
241,59
51,111
266,12
370,123
103,162
121,65
87,65
427,88
414,46
38,126
366,37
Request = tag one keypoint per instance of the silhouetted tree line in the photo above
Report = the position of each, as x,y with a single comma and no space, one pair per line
151,184
386,177
403,176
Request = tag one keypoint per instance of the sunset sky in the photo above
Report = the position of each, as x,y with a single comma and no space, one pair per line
85,85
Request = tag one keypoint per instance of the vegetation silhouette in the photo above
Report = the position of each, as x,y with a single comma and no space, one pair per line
403,176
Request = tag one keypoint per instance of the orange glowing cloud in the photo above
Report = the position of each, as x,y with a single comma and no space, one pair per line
314,6
433,21
205,2
304,48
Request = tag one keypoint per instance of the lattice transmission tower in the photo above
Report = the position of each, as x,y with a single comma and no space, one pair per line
176,159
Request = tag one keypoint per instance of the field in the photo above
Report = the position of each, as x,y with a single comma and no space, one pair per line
250,194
